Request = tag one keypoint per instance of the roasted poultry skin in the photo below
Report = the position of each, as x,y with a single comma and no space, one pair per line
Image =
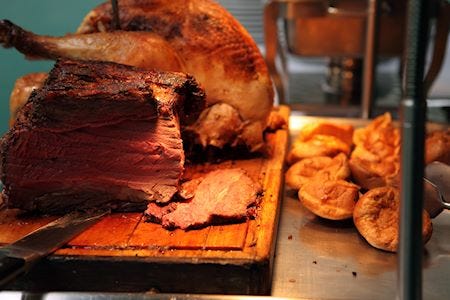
198,37
147,51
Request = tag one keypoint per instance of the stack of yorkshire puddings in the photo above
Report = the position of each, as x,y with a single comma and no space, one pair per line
342,173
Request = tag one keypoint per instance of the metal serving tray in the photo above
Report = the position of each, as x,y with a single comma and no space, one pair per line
320,259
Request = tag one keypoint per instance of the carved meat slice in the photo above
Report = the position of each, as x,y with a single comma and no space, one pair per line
221,196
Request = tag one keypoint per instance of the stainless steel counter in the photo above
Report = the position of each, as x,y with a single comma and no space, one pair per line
320,259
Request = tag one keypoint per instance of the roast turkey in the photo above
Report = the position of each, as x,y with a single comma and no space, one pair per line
198,37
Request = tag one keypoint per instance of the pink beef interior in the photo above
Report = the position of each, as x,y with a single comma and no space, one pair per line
227,195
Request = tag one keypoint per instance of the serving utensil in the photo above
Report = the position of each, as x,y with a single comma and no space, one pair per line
436,188
19,256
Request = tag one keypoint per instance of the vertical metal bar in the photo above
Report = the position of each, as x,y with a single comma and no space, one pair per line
115,22
440,43
373,13
272,11
412,161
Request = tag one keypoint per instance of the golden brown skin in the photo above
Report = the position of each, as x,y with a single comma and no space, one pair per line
333,199
214,47
218,125
321,168
198,37
147,51
22,90
376,216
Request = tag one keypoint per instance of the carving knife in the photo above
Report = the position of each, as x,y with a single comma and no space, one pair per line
19,256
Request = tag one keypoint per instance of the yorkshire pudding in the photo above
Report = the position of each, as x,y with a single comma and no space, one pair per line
343,132
332,199
376,216
437,146
317,168
318,145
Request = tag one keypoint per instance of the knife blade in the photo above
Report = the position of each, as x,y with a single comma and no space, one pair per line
18,257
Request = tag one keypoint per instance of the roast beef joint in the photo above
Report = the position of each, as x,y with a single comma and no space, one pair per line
99,134
112,122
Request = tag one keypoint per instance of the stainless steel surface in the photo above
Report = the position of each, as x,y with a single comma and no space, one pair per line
337,29
319,259
307,29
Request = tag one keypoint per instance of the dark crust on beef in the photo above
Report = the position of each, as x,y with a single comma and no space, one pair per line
98,130
71,83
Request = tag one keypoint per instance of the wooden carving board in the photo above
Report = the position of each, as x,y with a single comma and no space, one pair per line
124,253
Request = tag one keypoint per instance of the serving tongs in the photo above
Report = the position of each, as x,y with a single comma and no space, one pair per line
436,188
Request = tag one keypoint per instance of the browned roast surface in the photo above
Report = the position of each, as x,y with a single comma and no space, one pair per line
81,94
98,133
227,195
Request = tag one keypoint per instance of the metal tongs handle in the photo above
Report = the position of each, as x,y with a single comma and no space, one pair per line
437,188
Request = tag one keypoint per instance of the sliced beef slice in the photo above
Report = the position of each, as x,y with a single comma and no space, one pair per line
222,196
